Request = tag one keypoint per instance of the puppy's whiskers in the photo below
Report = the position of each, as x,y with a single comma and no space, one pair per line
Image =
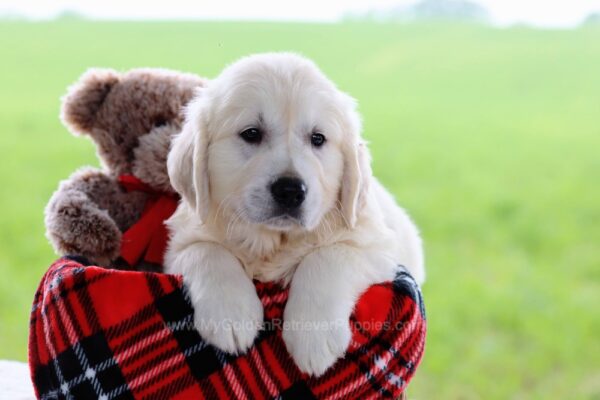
230,223
221,207
328,225
338,209
238,215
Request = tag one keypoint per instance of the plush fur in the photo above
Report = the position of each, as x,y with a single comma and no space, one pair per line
348,235
131,117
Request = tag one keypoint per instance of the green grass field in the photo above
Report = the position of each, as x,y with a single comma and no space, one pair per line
490,138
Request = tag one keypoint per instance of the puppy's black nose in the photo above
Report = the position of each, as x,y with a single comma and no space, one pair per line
288,192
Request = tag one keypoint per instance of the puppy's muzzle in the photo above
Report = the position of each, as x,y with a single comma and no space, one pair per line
288,192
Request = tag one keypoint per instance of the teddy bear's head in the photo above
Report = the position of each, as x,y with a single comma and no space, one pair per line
131,117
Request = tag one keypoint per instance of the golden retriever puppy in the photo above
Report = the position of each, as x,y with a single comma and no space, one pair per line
276,185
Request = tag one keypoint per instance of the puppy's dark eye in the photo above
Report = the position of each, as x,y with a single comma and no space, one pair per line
251,135
317,139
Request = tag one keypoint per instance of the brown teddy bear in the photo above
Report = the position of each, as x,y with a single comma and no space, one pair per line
131,118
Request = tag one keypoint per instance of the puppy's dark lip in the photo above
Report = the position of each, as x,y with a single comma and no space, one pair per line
284,221
290,213
284,217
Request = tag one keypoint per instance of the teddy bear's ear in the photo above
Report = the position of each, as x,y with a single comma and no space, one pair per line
85,97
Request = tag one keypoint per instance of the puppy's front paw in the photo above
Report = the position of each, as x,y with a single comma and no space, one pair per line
227,311
229,323
315,343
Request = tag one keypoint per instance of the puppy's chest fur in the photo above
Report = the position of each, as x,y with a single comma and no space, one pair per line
271,256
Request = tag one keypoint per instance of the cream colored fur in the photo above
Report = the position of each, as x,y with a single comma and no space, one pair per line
351,234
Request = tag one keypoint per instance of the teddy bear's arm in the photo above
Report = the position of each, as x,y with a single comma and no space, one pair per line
88,213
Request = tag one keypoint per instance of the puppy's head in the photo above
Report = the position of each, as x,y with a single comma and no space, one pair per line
271,141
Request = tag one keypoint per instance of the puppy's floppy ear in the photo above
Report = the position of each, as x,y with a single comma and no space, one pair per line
357,165
85,97
187,162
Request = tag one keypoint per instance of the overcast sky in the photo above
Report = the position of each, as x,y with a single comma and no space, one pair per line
555,13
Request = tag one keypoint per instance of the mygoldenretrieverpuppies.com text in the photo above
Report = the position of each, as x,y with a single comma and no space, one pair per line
280,324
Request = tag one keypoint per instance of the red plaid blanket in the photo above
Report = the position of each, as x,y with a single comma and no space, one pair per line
111,334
